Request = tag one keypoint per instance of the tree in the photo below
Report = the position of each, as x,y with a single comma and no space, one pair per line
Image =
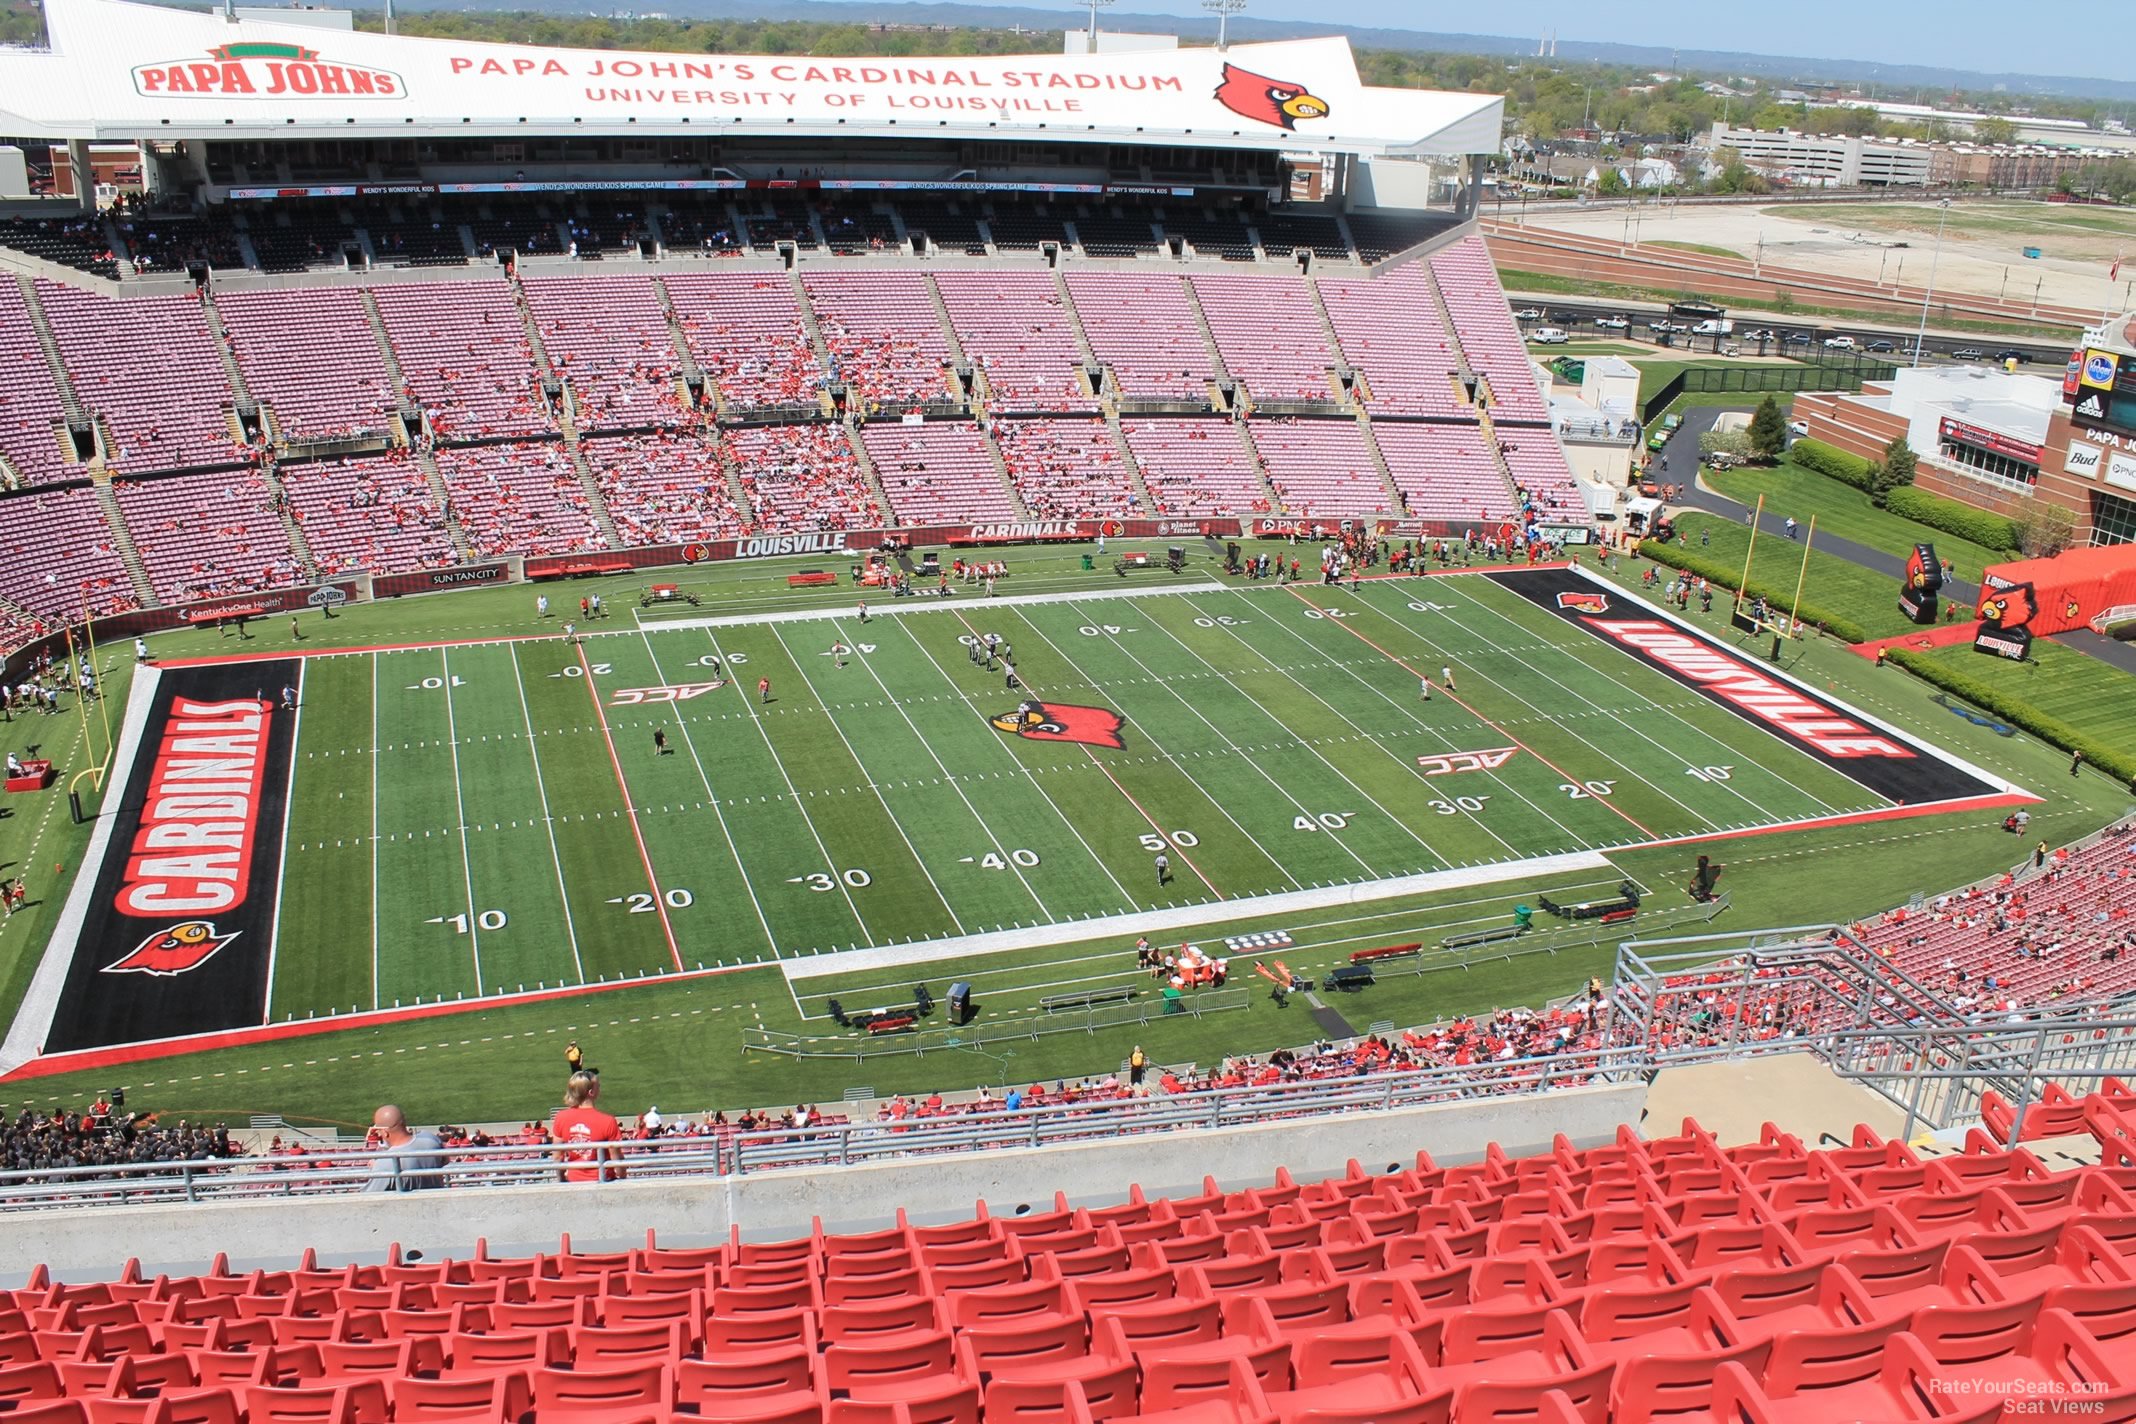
1896,469
1737,443
2044,528
1993,130
1768,430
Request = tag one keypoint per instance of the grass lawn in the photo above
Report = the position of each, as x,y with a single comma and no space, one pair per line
1870,599
1845,511
2066,684
1703,248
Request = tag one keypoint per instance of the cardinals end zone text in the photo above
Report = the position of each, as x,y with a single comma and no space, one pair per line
173,920
192,855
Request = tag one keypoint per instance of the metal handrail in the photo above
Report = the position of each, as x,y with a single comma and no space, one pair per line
736,1153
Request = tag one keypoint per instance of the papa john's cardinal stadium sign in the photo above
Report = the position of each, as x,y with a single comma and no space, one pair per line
122,70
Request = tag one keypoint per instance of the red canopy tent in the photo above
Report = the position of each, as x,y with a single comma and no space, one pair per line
2072,588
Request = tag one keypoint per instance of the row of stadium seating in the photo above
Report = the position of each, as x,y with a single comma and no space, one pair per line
1641,1280
459,364
287,237
311,356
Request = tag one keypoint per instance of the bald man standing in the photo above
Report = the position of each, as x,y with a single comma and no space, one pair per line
411,1161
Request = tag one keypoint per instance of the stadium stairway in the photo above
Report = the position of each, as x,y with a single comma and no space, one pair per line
1075,319
949,327
1640,1280
68,400
1143,499
122,539
404,407
1208,337
292,527
1259,467
1395,498
219,334
692,373
442,494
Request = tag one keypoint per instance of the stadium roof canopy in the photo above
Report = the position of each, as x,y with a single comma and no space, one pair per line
119,71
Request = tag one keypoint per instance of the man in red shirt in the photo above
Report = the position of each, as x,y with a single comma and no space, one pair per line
581,1124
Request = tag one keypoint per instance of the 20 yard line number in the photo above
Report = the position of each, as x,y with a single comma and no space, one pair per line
641,902
822,882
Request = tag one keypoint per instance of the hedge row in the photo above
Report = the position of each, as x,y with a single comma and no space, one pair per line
1990,531
2018,713
1831,462
1675,556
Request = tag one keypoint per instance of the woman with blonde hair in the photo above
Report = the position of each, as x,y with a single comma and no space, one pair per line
581,1124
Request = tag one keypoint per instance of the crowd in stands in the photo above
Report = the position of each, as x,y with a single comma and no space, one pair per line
1065,469
373,515
664,488
802,477
105,1136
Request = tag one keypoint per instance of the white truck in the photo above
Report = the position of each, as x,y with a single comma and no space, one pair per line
1716,326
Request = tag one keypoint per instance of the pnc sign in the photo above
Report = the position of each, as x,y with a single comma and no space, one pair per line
262,69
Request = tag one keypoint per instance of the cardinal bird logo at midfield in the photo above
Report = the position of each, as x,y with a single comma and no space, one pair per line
174,951
2011,607
1270,101
1059,722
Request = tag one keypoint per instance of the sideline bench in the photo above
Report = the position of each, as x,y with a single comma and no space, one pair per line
1347,977
1088,998
1385,951
891,1023
814,578
1476,937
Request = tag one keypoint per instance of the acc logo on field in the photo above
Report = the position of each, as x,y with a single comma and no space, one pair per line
177,950
679,692
1451,763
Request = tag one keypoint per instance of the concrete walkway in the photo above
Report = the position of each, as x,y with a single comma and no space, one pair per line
1795,1092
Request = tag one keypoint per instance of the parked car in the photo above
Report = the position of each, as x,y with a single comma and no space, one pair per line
1839,343
1798,428
2012,354
1761,334
1529,314
1880,345
1966,353
1548,336
1795,338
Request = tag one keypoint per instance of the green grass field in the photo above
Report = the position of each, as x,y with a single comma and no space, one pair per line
1845,511
1831,582
1272,740
1235,733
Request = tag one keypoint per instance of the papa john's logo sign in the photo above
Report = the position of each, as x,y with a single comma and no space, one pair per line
263,70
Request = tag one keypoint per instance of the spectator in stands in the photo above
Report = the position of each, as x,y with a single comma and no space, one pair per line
583,1125
411,1161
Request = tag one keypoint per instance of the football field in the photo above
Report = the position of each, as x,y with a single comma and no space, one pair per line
517,816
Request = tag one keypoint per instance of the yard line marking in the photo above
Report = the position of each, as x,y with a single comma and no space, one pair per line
1439,734
682,725
845,891
630,809
1711,737
459,800
1027,773
548,820
881,800
948,776
1305,742
281,869
1458,701
1125,794
374,753
1280,788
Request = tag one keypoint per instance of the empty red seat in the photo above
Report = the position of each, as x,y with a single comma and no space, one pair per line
499,1398
610,1396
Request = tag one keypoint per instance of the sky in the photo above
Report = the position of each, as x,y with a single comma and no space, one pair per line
1988,35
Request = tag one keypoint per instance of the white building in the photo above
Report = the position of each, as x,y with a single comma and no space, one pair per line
1829,160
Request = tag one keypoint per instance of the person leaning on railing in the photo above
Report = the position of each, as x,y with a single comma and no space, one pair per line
581,1124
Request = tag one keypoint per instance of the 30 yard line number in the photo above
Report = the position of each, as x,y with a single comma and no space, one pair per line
822,883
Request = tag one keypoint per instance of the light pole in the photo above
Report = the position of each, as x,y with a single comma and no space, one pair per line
1223,10
1095,6
1943,212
